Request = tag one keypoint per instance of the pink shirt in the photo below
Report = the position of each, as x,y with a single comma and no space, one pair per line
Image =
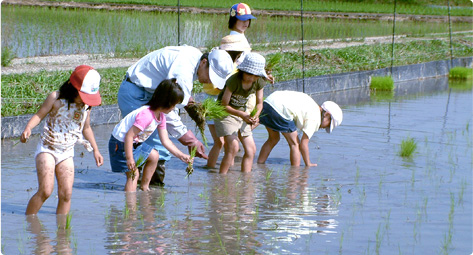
144,119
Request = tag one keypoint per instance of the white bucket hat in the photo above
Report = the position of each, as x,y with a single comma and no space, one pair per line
336,113
253,63
220,66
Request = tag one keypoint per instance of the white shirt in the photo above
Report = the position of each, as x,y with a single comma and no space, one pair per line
297,106
180,62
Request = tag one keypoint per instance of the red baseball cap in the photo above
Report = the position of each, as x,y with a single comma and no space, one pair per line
87,81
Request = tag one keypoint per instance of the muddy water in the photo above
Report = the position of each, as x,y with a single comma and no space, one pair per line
362,198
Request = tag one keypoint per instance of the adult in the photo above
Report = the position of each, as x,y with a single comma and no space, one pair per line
186,64
285,112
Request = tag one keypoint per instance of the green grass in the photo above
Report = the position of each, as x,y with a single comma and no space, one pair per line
461,73
435,7
7,56
408,147
24,93
383,83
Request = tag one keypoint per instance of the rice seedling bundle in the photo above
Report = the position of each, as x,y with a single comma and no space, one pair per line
209,109
383,83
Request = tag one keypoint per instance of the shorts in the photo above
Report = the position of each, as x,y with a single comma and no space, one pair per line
116,150
230,125
59,156
270,118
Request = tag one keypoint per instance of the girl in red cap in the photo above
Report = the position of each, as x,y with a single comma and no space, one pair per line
67,122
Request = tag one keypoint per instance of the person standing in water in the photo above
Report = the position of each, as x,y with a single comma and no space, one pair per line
67,114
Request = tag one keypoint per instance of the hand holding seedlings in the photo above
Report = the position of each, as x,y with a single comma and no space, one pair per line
208,109
133,166
190,166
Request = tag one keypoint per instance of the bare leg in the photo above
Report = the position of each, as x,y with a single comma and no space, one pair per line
273,139
216,148
250,150
131,184
65,180
231,149
148,169
293,141
45,166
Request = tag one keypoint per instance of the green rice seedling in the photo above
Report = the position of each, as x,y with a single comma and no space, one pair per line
209,109
461,73
268,174
222,245
126,211
408,147
68,221
383,83
190,166
272,61
139,162
7,56
161,199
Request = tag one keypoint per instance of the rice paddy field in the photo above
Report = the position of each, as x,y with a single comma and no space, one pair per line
364,197
394,178
37,31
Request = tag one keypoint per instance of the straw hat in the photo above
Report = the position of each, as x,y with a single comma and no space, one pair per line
234,43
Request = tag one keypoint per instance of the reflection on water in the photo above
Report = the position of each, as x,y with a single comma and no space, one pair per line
43,243
361,198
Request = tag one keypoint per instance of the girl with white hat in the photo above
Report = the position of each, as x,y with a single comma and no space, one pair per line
286,111
250,79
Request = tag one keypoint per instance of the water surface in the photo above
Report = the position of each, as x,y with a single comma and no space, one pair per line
362,198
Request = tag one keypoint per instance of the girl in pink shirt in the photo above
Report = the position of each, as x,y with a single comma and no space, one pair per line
126,146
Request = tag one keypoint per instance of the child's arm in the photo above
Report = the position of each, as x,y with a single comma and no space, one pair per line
39,115
227,94
304,148
259,103
130,161
168,144
89,136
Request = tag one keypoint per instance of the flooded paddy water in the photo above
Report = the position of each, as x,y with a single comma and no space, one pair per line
362,198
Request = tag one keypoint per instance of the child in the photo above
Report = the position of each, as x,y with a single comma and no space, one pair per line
240,18
248,80
239,22
234,45
287,111
68,121
126,145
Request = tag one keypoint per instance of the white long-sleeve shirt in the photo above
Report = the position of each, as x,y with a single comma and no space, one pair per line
180,62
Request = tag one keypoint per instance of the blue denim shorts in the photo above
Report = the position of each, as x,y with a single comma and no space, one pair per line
116,150
271,119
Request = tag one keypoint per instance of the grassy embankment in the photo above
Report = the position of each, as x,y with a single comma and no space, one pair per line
24,93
